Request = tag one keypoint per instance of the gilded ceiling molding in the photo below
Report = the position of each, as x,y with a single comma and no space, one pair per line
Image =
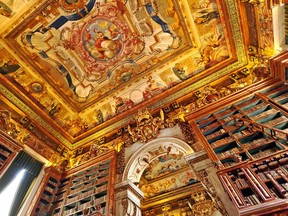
229,7
23,135
36,117
26,13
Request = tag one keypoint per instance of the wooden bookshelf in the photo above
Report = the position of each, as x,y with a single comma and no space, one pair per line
6,156
87,189
83,190
254,183
235,143
46,193
247,140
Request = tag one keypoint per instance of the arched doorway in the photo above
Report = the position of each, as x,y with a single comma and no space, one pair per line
158,175
152,150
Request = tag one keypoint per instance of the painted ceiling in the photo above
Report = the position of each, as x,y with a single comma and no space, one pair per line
81,68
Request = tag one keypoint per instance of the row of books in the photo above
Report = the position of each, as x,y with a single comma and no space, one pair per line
228,153
258,142
225,112
50,189
4,152
47,198
87,208
274,192
93,171
43,206
281,97
88,193
228,163
257,107
208,127
276,121
227,119
215,134
263,175
264,114
265,152
276,90
241,183
242,134
222,141
96,203
252,200
100,174
54,183
82,187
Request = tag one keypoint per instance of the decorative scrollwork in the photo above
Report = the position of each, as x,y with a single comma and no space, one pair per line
147,127
7,125
202,205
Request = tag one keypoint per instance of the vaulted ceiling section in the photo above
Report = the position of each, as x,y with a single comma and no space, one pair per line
74,72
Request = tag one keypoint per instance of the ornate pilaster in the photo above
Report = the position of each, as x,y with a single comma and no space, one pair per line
206,173
128,198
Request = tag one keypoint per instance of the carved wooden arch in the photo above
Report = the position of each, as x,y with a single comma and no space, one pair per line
151,151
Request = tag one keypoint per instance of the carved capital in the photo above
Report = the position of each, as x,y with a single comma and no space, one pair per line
128,189
193,160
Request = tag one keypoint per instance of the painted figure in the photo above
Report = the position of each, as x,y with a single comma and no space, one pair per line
179,71
152,88
5,10
122,104
205,16
8,67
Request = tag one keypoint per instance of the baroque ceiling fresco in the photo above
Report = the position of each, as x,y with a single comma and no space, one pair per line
74,70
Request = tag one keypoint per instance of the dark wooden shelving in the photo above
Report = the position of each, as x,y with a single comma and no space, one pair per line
84,190
249,139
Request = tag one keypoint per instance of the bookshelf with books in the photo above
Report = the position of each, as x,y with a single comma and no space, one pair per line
46,192
6,155
234,142
258,186
247,141
60,195
87,189
278,95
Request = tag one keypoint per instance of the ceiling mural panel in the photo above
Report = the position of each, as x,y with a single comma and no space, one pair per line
86,66
95,47
101,58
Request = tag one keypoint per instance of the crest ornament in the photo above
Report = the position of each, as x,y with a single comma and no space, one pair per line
147,127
